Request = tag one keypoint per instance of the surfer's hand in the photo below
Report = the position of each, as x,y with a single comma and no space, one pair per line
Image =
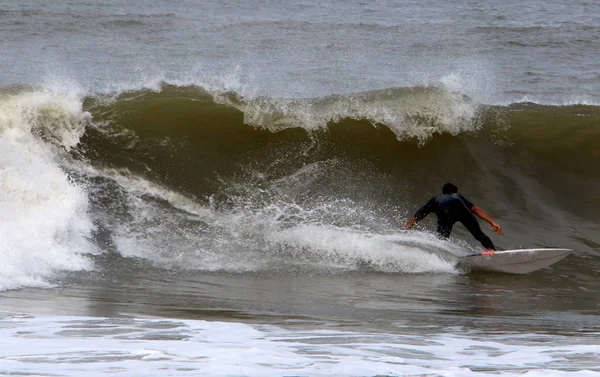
497,229
409,224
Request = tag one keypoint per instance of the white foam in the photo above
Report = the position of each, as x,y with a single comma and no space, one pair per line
43,220
75,346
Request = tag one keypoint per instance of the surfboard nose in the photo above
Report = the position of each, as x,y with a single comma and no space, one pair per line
520,261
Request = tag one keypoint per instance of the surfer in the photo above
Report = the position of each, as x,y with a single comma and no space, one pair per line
450,207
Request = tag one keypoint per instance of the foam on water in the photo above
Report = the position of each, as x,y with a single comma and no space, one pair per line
80,346
43,221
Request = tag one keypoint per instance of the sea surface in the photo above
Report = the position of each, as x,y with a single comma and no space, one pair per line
216,188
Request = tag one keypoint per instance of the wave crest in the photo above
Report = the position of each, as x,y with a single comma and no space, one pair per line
416,112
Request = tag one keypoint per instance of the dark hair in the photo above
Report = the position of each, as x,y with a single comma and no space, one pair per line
449,188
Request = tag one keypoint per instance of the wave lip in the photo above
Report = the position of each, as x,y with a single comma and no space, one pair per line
417,112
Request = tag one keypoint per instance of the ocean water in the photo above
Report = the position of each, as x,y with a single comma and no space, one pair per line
216,188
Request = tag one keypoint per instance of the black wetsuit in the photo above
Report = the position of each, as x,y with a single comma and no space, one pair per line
449,209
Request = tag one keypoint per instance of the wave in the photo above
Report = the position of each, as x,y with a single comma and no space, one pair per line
187,177
377,151
409,116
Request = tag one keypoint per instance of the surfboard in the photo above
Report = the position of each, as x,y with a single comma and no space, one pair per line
521,261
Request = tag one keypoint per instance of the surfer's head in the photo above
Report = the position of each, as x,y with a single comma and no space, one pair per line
449,188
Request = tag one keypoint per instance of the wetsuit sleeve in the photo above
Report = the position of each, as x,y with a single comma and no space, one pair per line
425,210
467,203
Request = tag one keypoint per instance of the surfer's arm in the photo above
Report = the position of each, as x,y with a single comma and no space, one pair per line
484,216
420,214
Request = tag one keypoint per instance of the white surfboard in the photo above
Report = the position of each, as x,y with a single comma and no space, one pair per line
522,261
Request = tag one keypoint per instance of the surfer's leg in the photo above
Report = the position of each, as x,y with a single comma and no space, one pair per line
444,228
470,222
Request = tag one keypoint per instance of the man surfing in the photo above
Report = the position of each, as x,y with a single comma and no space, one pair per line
450,207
